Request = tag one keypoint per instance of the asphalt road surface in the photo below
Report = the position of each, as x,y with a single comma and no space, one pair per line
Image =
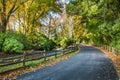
89,64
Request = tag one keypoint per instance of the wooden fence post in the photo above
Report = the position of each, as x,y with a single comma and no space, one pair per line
24,59
109,48
112,49
106,47
116,51
103,46
55,54
44,54
63,52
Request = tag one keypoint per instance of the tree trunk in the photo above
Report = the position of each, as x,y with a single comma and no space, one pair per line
6,16
3,17
4,22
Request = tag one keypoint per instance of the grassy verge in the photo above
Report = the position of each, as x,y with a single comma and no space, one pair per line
33,65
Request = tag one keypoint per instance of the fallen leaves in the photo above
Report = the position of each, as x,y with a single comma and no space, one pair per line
114,57
49,62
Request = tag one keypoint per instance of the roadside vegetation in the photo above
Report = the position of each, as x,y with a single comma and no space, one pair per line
100,19
45,25
33,65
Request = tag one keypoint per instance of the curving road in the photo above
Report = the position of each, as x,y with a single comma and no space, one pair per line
89,64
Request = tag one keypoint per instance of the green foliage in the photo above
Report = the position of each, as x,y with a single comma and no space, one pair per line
14,35
92,25
115,41
20,37
97,39
56,40
45,43
40,41
1,40
12,45
66,42
101,18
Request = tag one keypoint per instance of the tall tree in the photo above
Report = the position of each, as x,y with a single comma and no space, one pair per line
8,7
36,11
99,16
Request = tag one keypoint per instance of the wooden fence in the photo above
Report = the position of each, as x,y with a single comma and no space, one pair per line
33,55
110,49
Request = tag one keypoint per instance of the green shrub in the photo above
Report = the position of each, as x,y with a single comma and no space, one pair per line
20,37
115,43
66,42
1,40
33,40
45,43
15,35
12,45
56,39
40,42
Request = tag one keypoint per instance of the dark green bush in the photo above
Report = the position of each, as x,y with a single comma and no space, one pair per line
45,43
20,37
66,42
57,40
12,45
32,41
17,36
2,37
115,43
40,42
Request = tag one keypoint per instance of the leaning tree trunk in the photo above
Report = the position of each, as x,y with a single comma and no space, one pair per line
3,22
3,17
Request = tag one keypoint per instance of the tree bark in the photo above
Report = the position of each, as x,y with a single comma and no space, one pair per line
5,16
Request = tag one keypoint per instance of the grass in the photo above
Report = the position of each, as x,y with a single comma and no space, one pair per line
32,65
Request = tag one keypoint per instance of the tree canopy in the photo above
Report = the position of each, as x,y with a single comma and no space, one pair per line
101,18
58,22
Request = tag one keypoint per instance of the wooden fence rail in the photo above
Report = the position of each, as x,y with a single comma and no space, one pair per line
110,49
33,55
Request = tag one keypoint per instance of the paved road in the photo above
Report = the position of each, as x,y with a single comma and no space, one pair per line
88,64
